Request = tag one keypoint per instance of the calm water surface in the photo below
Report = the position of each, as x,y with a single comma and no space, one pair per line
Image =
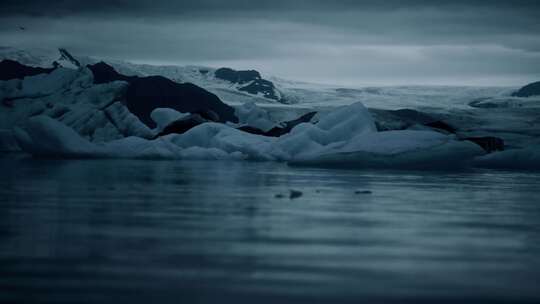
125,231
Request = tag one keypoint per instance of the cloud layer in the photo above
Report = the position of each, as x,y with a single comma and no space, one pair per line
348,42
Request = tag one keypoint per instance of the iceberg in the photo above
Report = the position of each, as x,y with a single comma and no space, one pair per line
250,114
46,137
43,136
514,159
165,116
345,137
94,111
407,149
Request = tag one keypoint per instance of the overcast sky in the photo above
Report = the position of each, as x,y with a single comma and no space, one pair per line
350,42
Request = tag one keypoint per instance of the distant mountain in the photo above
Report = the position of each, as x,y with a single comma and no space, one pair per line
240,87
250,81
238,77
144,94
229,85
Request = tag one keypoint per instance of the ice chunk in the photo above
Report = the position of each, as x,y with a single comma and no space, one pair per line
44,136
93,111
397,150
61,78
230,140
165,116
333,128
251,115
127,123
102,95
515,159
394,142
345,137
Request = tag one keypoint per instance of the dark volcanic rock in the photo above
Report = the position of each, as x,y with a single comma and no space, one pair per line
289,125
208,115
363,192
239,77
252,130
531,89
293,194
488,143
441,125
144,94
65,55
183,125
404,118
263,86
281,130
10,69
104,73
254,83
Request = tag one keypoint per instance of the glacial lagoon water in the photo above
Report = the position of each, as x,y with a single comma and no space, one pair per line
141,231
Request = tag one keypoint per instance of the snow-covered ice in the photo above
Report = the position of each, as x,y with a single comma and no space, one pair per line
398,149
69,96
344,136
164,116
251,115
47,106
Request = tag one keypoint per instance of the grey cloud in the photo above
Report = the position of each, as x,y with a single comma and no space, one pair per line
398,41
173,7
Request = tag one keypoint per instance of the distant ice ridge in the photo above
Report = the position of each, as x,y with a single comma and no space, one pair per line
305,94
345,136
227,91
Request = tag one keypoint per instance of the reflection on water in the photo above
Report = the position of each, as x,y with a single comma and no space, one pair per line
182,232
